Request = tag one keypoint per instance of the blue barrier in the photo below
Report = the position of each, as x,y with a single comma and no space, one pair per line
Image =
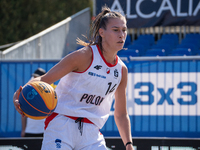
14,74
162,97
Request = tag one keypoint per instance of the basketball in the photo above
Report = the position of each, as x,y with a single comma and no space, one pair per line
37,100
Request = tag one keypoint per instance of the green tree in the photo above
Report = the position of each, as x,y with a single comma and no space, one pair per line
20,19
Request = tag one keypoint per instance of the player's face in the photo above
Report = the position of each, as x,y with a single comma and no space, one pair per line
114,36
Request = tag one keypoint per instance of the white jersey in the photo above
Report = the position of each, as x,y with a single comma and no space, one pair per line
90,93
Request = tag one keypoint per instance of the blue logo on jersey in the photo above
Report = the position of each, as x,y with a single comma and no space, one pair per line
96,75
58,143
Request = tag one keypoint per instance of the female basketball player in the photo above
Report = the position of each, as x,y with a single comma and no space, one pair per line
89,79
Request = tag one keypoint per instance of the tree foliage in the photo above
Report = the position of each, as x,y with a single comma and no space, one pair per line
20,19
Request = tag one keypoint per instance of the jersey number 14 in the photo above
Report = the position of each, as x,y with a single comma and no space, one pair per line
109,90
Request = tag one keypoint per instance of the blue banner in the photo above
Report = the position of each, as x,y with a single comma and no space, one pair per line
147,13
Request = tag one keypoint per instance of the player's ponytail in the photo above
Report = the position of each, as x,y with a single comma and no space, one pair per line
98,23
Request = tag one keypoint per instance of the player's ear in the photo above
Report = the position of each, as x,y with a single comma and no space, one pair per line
101,32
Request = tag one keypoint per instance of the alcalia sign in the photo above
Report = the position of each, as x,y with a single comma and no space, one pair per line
145,13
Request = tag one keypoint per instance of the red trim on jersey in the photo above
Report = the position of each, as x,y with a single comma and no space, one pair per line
49,119
89,65
108,64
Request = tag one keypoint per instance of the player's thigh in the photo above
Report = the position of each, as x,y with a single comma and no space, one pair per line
59,134
56,146
92,139
97,146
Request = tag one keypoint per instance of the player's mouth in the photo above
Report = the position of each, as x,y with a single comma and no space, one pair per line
121,42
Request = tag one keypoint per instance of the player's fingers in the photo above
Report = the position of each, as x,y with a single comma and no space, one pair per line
16,94
19,91
17,106
16,101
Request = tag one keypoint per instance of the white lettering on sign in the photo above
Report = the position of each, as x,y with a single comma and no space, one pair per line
117,7
166,5
163,93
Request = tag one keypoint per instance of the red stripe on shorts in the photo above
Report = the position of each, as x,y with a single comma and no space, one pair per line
49,118
53,115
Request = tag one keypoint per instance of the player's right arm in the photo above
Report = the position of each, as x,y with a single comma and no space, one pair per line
77,61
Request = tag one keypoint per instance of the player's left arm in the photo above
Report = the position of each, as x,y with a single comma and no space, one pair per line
121,115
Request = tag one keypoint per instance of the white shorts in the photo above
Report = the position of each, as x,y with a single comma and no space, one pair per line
62,133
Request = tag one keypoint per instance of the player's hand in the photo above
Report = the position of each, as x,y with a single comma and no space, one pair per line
16,100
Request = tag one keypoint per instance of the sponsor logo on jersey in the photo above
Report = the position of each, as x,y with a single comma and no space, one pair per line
98,67
108,70
116,73
58,143
96,75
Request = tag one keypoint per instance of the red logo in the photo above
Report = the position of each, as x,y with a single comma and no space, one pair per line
107,70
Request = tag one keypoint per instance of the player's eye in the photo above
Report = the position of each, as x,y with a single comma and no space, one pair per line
124,30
